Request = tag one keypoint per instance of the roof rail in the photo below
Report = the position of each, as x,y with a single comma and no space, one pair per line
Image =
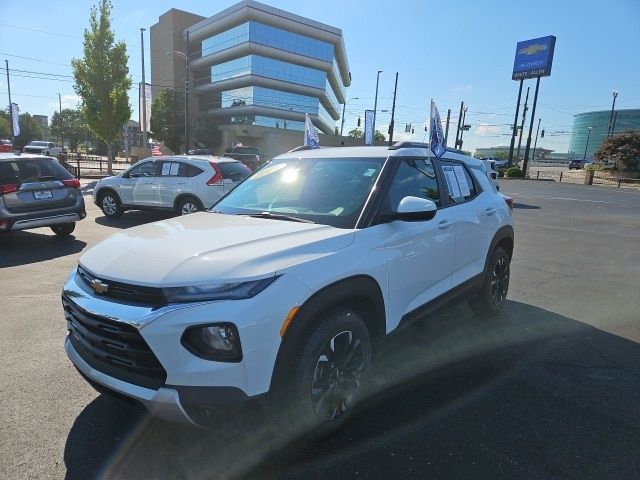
407,144
303,147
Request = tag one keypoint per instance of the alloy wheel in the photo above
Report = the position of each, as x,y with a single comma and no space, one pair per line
109,205
188,207
500,281
337,376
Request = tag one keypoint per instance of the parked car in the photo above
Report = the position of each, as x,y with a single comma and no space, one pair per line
492,172
200,151
43,148
37,191
250,156
577,164
280,292
6,146
184,184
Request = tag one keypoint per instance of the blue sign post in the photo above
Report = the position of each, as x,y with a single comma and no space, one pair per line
534,58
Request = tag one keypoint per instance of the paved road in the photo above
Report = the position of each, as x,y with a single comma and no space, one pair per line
548,390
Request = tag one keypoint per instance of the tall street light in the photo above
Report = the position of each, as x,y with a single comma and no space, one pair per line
344,105
613,106
584,157
144,95
375,105
186,95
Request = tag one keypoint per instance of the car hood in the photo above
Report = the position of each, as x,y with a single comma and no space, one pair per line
205,247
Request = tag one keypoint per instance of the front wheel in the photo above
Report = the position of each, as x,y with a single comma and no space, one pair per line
492,295
63,229
110,205
328,376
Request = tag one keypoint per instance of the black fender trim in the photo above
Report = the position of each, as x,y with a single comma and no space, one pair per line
504,234
368,297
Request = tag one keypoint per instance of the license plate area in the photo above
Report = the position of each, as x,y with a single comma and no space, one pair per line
42,194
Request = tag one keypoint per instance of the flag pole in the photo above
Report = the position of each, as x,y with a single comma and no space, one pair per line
430,129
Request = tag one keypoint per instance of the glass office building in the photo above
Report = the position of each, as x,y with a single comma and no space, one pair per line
257,65
598,124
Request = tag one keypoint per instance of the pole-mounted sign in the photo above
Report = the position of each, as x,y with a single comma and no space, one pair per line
534,58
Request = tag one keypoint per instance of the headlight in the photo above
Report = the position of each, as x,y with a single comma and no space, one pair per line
225,291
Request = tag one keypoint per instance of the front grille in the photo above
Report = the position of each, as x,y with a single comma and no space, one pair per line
113,348
134,294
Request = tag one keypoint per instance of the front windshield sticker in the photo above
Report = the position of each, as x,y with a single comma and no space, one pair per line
462,180
452,182
268,171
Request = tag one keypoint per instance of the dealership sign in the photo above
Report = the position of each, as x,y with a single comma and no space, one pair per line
534,58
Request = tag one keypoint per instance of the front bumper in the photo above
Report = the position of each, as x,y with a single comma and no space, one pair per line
194,387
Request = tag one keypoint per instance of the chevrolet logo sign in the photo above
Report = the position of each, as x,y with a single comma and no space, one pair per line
98,286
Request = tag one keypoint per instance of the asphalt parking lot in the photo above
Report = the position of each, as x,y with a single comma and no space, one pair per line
549,389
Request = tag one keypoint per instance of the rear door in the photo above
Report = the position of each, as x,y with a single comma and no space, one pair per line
475,219
35,184
171,182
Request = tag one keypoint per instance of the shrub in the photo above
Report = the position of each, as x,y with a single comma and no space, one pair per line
514,172
501,172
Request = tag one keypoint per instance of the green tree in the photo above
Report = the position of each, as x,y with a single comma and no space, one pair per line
167,123
29,130
208,134
379,136
5,125
623,149
70,125
356,133
102,79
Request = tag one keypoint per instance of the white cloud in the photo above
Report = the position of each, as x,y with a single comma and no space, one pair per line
462,88
68,101
486,130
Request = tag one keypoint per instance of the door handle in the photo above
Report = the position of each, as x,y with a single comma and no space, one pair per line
491,211
444,224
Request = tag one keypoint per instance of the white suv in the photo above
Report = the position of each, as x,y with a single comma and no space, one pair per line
285,287
184,184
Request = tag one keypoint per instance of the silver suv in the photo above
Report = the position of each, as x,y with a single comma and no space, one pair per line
36,191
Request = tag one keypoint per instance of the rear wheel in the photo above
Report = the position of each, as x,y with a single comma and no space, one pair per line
493,293
110,204
326,379
63,229
189,205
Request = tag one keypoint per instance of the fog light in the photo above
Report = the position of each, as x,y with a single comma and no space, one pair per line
219,342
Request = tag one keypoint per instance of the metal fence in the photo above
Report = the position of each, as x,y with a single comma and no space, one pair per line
581,177
91,165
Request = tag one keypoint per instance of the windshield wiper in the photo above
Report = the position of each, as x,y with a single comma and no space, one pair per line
277,216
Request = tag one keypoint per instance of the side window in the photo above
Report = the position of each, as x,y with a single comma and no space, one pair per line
460,186
415,178
171,169
192,170
147,169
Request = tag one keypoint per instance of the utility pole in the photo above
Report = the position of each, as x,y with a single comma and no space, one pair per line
393,112
463,127
144,96
61,121
533,115
446,133
515,125
613,106
535,144
524,118
459,120
13,133
186,97
375,104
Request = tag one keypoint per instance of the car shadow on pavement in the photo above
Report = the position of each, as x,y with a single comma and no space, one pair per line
524,206
133,218
528,394
24,247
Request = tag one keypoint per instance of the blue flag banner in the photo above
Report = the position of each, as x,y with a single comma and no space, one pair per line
311,139
436,137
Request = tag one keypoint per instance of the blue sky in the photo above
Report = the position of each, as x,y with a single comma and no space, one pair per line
449,51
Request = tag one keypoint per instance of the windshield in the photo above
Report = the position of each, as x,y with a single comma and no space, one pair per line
38,144
330,191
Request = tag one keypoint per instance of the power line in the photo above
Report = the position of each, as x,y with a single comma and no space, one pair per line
39,31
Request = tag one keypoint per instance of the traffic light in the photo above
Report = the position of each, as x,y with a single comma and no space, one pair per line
542,133
358,121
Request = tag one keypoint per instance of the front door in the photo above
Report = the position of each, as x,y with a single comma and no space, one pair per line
138,185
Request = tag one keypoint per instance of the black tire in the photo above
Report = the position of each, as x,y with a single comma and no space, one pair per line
492,295
187,205
326,378
110,204
63,229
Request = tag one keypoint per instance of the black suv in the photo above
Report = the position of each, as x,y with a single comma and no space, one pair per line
36,191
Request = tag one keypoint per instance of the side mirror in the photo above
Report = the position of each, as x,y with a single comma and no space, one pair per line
412,209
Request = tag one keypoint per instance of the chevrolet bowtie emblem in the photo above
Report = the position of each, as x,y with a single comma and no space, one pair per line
99,287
